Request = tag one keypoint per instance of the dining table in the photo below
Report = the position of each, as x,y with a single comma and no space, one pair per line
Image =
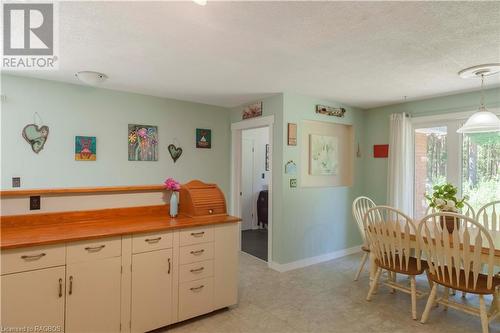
495,235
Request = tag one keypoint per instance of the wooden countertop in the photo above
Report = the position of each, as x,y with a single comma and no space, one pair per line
50,228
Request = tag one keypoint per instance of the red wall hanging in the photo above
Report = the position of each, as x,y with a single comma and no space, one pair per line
380,151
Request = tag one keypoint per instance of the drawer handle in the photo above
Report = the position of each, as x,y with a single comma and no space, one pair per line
70,285
197,270
60,288
210,211
197,252
95,248
169,265
34,257
198,234
152,240
196,288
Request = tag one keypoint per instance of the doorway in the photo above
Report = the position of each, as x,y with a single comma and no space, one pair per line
252,184
254,191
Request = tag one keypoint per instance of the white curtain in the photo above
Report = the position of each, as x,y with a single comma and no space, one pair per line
400,170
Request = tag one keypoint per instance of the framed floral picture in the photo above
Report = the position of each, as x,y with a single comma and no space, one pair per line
142,143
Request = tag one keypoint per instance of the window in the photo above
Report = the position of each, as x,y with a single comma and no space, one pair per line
480,164
470,161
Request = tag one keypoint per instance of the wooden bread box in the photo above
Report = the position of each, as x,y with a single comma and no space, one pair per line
201,199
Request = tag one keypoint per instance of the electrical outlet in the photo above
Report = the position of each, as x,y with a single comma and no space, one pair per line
16,181
35,202
293,183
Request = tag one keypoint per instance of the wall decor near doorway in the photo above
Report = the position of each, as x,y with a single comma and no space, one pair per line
142,142
268,167
292,134
323,155
252,111
203,138
328,149
85,148
380,151
330,111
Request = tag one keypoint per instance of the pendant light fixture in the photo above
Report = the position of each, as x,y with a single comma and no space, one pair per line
483,120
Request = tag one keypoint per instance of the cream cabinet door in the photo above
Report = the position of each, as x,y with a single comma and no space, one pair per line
151,290
226,254
93,296
33,299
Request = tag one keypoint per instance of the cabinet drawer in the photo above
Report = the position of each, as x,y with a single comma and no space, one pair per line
196,236
29,258
151,241
195,298
92,250
195,253
196,271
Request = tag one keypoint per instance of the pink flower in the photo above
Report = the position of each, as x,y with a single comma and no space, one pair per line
172,185
142,132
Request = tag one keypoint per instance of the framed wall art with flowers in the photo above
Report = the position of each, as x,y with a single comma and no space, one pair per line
142,143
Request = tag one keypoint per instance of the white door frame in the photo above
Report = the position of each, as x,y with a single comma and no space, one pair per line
235,205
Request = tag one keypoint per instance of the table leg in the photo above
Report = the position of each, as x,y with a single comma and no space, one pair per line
373,268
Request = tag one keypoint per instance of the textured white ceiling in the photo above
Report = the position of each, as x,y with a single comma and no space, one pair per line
364,54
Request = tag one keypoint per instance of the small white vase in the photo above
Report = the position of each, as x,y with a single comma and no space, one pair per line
174,204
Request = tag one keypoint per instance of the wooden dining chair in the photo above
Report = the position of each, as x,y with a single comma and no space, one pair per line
457,260
360,206
389,231
489,216
468,211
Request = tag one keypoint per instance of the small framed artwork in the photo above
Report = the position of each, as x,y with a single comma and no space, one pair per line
293,183
267,158
380,151
203,138
292,134
142,142
85,148
252,110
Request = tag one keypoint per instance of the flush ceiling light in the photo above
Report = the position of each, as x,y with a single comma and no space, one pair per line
200,2
483,120
91,78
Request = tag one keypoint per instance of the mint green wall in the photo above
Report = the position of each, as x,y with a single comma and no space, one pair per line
316,220
377,130
71,110
308,222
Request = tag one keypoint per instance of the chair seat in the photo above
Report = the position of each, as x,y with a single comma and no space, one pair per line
365,248
481,285
394,265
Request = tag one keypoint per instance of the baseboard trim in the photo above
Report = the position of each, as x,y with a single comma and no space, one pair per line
313,260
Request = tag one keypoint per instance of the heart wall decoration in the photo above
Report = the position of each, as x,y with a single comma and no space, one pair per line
36,136
175,152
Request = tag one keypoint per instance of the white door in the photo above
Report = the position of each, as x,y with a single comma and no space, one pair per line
151,290
247,197
93,296
34,298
